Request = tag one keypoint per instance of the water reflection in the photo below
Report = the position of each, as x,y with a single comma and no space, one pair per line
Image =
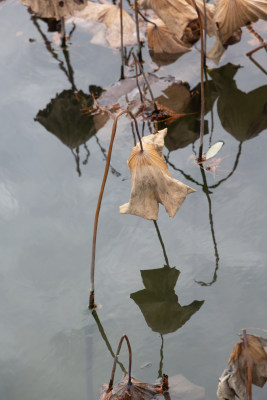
243,115
158,302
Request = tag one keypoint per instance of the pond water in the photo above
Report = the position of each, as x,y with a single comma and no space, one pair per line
50,177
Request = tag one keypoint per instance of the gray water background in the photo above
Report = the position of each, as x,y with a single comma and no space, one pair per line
51,347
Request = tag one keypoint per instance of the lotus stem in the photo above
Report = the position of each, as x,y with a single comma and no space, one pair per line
248,364
121,27
104,336
148,85
92,304
202,112
62,32
162,244
110,386
139,52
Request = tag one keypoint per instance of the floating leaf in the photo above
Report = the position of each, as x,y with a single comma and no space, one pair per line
214,149
233,14
54,8
234,381
109,15
152,183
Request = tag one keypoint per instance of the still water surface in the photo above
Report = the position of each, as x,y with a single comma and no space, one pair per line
181,319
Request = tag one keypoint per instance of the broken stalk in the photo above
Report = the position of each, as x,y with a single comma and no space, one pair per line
110,386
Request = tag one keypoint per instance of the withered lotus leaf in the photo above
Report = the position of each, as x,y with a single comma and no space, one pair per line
162,40
234,381
177,14
152,182
109,15
136,390
54,8
233,14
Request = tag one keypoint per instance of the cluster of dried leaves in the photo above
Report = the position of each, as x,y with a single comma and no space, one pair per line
245,368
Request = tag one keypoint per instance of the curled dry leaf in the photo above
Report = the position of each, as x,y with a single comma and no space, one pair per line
234,381
177,14
54,8
162,40
109,15
152,182
233,14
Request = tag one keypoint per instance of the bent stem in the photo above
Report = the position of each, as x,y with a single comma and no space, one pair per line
110,386
114,128
201,135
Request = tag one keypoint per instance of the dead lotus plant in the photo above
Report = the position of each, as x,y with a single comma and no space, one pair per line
129,388
247,366
152,182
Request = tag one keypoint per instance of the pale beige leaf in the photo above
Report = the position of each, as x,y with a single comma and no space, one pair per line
109,15
54,8
162,40
176,14
152,182
233,14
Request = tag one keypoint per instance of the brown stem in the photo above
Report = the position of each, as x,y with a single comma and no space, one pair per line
139,52
201,85
121,27
245,339
148,85
114,128
110,386
146,19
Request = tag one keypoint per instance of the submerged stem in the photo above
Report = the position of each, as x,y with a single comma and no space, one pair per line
113,133
139,52
121,27
162,244
201,84
110,386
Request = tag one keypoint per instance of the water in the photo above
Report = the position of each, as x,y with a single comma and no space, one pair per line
51,347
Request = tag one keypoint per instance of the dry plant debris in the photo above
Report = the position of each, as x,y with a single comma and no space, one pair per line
136,390
109,15
178,14
54,8
234,381
152,182
233,14
159,35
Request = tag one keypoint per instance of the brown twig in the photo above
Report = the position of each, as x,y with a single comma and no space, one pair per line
110,386
201,85
139,52
121,27
148,85
92,304
245,339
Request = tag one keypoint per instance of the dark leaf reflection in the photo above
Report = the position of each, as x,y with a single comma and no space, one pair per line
158,302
